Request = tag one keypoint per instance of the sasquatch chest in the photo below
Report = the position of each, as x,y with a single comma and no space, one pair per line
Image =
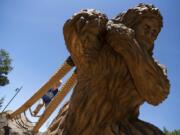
116,74
110,78
105,92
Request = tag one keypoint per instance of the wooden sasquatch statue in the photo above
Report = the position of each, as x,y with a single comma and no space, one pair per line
116,73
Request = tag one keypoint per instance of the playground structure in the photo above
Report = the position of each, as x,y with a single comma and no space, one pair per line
116,75
66,87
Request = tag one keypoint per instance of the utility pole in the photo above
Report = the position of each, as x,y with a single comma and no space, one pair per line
17,91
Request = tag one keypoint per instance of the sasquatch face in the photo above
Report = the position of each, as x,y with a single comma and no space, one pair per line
146,32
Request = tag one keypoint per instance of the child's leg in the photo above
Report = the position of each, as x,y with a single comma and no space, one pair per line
38,108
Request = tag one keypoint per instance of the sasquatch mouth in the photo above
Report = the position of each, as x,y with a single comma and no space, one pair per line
147,43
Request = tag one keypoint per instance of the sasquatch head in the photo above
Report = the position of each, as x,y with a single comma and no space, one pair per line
146,21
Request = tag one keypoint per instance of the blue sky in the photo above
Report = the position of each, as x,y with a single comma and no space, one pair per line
31,31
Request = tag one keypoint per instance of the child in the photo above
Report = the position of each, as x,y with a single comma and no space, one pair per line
48,97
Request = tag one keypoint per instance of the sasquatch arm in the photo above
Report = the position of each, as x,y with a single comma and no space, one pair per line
150,81
83,34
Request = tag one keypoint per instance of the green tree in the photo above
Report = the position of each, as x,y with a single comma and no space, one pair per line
175,132
5,67
1,102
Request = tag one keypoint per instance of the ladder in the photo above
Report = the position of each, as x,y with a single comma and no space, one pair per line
66,87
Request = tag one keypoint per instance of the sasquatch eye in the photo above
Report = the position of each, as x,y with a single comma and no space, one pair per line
154,31
147,27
